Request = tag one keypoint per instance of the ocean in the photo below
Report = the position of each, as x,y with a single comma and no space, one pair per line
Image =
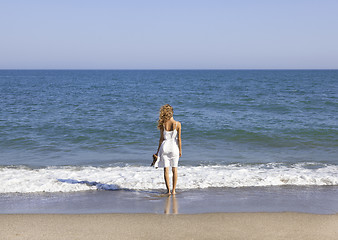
78,131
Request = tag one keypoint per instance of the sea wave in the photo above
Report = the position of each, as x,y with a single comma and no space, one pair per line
75,178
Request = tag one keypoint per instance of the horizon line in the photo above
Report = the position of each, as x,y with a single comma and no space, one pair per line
165,69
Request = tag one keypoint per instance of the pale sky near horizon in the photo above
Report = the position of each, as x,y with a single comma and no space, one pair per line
214,34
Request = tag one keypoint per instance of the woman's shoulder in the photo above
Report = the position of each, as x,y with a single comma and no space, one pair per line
178,124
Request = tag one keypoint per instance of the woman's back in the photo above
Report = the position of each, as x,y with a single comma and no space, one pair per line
172,134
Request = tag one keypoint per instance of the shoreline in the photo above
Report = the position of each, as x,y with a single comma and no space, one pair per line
286,225
317,200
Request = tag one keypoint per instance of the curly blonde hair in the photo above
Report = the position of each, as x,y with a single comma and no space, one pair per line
166,112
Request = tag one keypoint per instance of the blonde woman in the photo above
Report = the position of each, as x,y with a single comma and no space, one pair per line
170,147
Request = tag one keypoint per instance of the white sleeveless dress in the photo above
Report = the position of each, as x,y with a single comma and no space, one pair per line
169,152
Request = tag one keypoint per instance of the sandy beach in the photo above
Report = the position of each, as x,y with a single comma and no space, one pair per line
156,226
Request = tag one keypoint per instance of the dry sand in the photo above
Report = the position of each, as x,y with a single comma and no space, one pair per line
154,226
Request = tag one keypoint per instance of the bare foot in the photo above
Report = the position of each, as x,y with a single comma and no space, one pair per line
174,192
168,192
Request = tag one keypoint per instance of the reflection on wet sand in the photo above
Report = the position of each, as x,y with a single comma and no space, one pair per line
171,198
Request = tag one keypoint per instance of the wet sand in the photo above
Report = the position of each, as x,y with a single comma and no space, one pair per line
317,200
184,226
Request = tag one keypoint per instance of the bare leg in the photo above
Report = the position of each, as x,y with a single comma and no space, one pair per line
174,169
166,179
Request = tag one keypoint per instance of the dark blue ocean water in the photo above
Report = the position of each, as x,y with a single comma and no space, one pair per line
102,118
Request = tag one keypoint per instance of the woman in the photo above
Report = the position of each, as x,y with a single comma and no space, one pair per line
170,148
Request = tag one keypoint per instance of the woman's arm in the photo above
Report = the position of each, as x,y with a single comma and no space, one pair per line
179,138
160,142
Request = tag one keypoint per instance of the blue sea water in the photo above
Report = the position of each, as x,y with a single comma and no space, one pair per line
274,126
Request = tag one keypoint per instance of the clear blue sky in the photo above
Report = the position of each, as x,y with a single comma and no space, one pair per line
103,34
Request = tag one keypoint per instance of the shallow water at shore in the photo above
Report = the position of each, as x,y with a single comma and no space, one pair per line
319,200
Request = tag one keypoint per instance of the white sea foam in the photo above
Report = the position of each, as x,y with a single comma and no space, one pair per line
72,179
